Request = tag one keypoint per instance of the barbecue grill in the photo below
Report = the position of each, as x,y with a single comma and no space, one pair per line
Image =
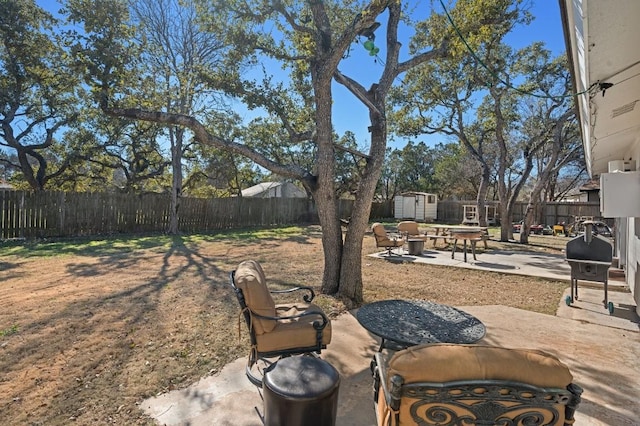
590,257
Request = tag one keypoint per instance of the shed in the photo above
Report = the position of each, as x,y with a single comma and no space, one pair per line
274,190
419,206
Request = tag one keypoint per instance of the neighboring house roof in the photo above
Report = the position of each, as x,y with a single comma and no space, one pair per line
592,185
575,195
274,189
413,193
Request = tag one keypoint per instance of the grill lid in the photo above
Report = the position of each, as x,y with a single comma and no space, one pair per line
589,247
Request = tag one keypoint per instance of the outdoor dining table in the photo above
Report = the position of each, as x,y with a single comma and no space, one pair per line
404,323
447,232
444,229
472,236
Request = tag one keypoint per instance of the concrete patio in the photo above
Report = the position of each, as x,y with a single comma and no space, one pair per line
600,349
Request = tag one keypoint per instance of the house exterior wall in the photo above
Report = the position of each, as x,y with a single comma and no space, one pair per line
633,277
601,41
628,246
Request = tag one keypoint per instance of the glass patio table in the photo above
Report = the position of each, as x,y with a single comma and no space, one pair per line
404,323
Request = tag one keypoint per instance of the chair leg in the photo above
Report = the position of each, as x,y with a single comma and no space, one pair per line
251,362
253,378
389,251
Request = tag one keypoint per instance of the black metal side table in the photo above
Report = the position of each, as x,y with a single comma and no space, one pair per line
404,323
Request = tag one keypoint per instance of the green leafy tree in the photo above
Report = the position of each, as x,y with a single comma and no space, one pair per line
389,178
455,172
519,140
504,78
556,112
310,40
442,96
39,94
119,155
175,49
216,172
417,168
350,165
411,168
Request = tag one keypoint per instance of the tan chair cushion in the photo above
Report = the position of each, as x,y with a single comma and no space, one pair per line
293,333
448,362
250,278
410,228
378,230
445,362
382,240
386,242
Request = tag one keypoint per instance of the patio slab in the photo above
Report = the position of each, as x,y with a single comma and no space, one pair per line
602,355
601,350
529,263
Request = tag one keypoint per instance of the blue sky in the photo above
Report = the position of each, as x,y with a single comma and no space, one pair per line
350,114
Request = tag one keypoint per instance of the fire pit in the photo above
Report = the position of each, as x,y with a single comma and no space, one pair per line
590,258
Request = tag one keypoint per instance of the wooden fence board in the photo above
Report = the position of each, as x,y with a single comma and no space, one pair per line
49,214
25,214
450,211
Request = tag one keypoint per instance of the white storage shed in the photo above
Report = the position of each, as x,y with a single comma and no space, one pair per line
419,206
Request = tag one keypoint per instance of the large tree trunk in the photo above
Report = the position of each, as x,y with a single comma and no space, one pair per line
506,219
323,190
481,200
331,242
351,286
177,136
527,221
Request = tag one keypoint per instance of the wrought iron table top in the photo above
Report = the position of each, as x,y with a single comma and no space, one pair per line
413,322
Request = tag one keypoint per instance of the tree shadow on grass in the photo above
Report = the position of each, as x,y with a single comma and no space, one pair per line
86,321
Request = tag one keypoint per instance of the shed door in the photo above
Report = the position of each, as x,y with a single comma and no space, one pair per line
409,207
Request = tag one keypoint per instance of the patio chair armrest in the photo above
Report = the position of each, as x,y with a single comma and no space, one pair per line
392,394
572,405
306,297
316,324
377,370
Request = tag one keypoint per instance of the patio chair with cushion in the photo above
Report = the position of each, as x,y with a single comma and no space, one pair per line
447,384
383,240
277,330
410,230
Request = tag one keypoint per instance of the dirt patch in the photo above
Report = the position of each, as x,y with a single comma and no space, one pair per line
86,336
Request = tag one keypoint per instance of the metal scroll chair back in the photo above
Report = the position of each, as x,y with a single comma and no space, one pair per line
277,330
444,384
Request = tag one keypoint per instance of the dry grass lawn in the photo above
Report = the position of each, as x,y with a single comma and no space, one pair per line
89,329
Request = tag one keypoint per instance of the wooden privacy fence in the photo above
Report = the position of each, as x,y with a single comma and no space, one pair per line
29,215
550,213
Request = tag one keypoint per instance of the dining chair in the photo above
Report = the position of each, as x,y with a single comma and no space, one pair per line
383,240
277,330
410,230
